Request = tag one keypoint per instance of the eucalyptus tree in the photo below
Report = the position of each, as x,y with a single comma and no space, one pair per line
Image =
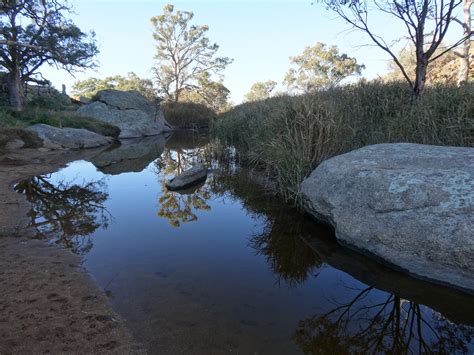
183,53
464,53
89,87
260,90
443,70
320,67
34,33
426,22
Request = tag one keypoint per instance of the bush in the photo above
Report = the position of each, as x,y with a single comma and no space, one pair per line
188,114
290,135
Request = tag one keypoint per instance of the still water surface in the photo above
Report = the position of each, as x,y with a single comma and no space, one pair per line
229,268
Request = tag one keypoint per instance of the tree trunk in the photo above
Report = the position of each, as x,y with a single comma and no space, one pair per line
15,90
466,47
420,80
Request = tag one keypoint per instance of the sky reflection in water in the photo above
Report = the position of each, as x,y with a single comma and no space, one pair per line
228,268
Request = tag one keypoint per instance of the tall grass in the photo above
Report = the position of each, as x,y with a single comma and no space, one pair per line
33,115
188,114
290,135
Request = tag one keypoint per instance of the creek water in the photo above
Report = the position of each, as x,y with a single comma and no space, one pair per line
226,267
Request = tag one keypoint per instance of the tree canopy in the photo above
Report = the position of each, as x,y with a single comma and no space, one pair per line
444,69
34,33
89,87
426,22
183,53
320,67
260,90
208,92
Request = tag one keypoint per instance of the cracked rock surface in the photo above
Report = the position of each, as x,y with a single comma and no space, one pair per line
410,205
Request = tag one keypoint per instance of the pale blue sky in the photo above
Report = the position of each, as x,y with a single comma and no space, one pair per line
259,35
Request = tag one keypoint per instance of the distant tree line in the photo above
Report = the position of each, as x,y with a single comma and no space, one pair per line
188,68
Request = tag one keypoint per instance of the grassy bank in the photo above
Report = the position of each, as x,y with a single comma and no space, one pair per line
188,114
62,118
290,135
55,111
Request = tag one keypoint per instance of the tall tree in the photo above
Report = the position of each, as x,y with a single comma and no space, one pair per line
319,67
89,87
260,90
33,33
183,52
426,21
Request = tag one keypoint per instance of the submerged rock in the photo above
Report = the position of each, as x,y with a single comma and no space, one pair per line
408,204
134,114
188,178
68,138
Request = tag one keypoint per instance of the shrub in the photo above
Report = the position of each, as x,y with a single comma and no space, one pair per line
188,114
290,135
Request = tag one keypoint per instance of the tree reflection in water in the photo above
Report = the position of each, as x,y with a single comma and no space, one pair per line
288,256
365,320
181,206
392,325
70,212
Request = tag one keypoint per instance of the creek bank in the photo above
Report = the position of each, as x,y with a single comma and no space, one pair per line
49,303
134,114
410,205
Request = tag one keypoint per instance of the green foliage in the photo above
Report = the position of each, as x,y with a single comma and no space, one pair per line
291,135
89,87
183,53
212,94
320,67
33,115
260,91
188,114
443,70
33,33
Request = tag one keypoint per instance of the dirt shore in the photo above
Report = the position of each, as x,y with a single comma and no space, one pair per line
49,303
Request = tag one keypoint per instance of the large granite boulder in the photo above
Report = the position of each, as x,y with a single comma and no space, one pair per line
410,205
135,115
68,138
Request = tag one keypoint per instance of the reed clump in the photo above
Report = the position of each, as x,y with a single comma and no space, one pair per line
290,135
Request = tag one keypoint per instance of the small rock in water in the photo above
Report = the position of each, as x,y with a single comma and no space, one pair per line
188,178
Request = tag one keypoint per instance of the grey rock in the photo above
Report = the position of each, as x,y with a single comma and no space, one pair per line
84,100
133,155
68,138
135,115
410,205
14,144
188,178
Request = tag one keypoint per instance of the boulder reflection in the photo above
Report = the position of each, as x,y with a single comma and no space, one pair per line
382,317
70,212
